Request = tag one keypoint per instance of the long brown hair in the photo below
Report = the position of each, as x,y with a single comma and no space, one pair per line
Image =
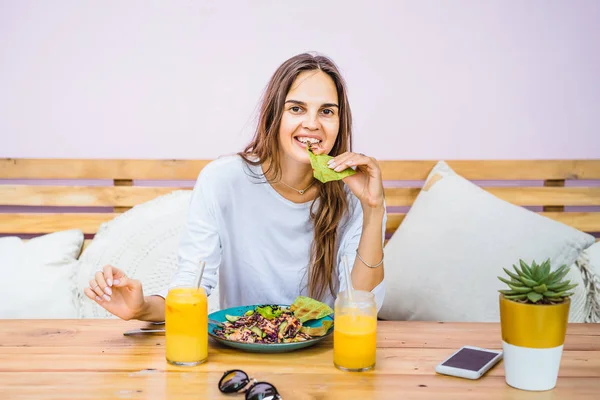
326,214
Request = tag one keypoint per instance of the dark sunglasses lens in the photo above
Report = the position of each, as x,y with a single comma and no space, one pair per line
233,382
262,391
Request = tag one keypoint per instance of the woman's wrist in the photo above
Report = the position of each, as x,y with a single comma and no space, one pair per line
373,214
149,310
142,312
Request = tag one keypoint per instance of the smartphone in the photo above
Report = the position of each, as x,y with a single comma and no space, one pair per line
469,362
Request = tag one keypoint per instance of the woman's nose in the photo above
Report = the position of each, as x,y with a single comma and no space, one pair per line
310,121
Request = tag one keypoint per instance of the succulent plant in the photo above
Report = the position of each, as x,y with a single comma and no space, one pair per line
535,284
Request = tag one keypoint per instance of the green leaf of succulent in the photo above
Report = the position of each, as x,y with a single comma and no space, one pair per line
557,275
535,271
516,297
534,297
542,277
551,294
564,271
520,272
544,274
551,277
526,269
537,284
528,282
511,282
559,286
517,277
546,268
558,278
520,289
563,286
556,272
541,288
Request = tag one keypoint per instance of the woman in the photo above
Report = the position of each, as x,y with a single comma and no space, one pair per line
267,229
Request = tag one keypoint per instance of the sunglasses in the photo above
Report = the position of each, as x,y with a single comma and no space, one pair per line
236,380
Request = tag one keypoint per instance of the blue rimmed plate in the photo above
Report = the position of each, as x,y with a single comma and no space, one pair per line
219,316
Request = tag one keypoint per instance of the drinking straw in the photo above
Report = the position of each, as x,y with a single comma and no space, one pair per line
200,273
348,278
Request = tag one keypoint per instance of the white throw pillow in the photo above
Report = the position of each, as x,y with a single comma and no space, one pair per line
38,275
589,265
443,261
143,242
593,254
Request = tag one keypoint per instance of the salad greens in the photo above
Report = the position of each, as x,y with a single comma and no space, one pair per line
321,170
277,324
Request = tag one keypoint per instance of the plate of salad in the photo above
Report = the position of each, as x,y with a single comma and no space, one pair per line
273,328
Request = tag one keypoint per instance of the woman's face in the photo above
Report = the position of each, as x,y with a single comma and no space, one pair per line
310,114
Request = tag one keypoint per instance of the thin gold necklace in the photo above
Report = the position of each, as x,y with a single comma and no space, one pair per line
301,192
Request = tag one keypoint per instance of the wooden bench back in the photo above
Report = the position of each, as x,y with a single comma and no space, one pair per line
550,187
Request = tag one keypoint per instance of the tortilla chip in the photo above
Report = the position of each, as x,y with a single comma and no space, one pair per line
322,172
318,330
305,309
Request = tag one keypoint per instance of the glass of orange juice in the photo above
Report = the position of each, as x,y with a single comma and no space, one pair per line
186,326
355,331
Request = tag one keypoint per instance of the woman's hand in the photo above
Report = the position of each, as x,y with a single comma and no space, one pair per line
366,184
116,293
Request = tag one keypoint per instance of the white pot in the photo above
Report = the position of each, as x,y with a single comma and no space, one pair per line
531,369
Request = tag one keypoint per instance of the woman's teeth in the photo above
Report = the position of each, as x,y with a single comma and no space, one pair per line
305,140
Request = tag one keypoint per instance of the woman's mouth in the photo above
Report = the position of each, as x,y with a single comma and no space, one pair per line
305,141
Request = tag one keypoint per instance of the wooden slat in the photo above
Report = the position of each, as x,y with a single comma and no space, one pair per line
548,196
554,207
392,170
11,168
31,223
523,196
79,196
584,221
496,169
122,182
393,222
129,196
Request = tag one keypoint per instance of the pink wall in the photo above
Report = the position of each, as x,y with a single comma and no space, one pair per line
429,79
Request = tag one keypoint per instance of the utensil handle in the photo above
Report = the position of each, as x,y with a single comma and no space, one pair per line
217,323
142,331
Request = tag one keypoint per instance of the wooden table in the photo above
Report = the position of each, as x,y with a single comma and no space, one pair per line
91,359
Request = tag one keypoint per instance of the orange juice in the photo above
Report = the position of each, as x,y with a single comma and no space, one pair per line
354,342
186,319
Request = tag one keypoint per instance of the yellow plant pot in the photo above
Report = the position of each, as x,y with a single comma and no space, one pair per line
532,341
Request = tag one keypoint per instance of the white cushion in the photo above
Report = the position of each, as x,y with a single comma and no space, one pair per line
143,242
442,263
593,253
589,265
38,275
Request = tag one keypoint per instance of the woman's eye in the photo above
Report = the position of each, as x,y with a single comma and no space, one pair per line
327,111
295,109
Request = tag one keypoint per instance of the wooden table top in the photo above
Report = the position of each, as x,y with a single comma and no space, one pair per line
91,359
